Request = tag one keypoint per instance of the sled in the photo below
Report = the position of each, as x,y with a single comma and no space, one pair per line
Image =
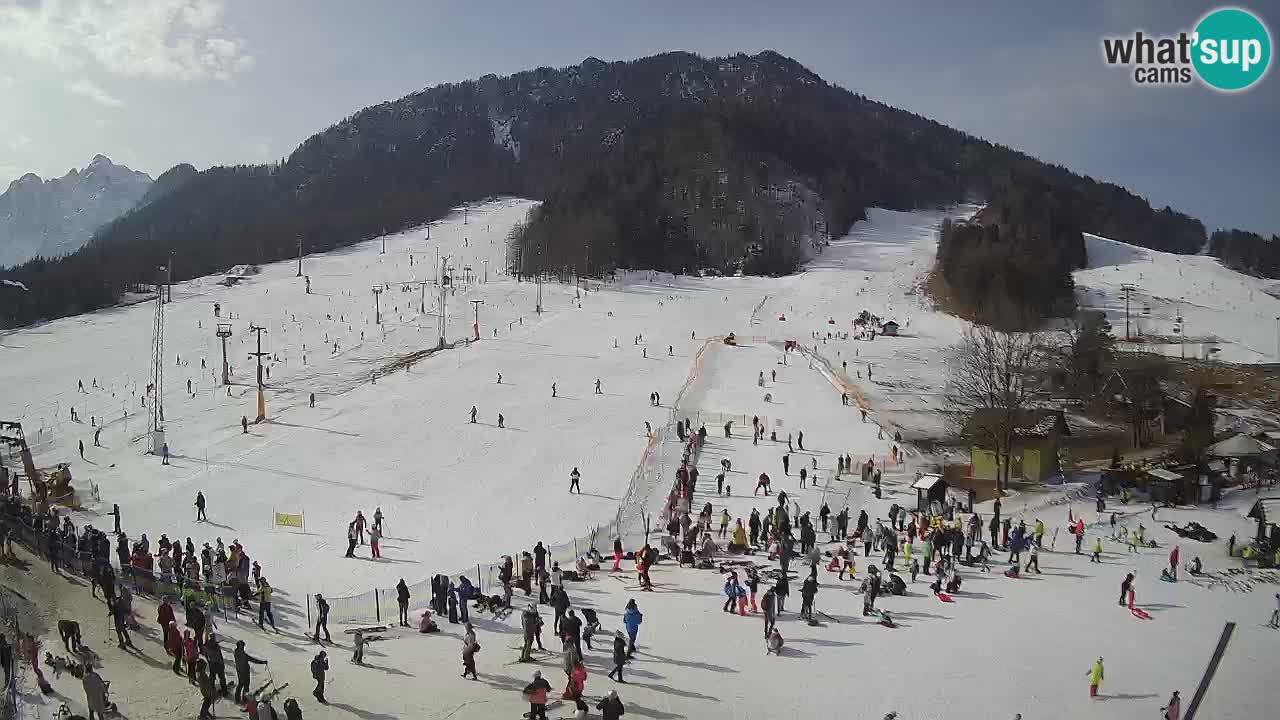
943,597
1140,613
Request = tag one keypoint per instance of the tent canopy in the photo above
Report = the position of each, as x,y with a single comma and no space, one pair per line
1238,446
926,482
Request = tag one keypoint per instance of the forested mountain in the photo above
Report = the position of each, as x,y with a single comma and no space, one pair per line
675,161
54,217
1247,252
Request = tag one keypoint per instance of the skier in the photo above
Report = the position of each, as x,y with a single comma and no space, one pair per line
264,592
377,519
573,481
375,551
598,390
352,539
322,619
473,414
200,505
1095,678
762,482
808,590
319,666
360,525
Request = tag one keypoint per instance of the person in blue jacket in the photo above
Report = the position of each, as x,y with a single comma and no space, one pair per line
632,618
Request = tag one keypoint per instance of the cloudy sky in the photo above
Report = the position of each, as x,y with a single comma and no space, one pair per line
155,82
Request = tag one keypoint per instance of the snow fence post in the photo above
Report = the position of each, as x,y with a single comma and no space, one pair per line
479,585
377,606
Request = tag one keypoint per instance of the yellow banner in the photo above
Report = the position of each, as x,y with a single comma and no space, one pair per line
289,520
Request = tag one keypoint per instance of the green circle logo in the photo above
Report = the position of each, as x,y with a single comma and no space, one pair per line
1232,49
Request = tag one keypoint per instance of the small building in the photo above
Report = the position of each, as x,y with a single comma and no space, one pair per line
889,328
1037,436
929,489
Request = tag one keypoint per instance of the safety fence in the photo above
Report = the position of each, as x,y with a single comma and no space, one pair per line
644,503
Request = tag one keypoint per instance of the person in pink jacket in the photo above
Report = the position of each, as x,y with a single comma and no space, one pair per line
1173,711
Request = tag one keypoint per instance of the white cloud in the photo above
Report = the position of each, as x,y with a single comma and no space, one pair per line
158,39
17,142
87,89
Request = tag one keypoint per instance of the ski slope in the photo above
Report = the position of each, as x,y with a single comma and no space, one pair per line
1228,316
456,494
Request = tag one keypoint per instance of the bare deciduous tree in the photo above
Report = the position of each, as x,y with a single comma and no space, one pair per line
989,387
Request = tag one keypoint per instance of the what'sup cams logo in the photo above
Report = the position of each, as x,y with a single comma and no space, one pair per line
1229,50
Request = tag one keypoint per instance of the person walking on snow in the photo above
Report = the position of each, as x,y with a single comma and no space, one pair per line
375,550
631,619
473,414
574,477
1173,560
200,505
619,657
553,389
1126,587
402,599
1095,678
360,524
320,666
1172,709
786,464
1097,550
598,391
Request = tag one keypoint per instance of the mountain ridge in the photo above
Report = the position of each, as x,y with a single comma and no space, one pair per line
741,163
49,218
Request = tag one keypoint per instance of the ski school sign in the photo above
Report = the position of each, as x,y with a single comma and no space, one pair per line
1229,50
292,520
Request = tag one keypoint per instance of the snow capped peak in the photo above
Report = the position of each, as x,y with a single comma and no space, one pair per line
100,160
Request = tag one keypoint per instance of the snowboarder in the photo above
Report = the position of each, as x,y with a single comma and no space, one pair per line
200,505
574,477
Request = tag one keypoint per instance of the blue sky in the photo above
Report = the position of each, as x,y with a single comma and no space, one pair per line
155,82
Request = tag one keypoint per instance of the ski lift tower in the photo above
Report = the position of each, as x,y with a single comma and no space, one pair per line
442,272
155,427
224,332
262,399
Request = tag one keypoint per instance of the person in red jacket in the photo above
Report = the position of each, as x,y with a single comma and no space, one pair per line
1173,562
173,646
190,653
577,684
537,691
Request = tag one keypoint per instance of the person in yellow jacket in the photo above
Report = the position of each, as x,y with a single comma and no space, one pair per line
1039,533
1097,550
1095,678
906,553
739,534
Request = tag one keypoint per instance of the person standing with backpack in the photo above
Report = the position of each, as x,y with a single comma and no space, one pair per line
322,619
319,666
631,618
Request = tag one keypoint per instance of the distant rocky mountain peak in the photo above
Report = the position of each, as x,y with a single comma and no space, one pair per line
48,218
